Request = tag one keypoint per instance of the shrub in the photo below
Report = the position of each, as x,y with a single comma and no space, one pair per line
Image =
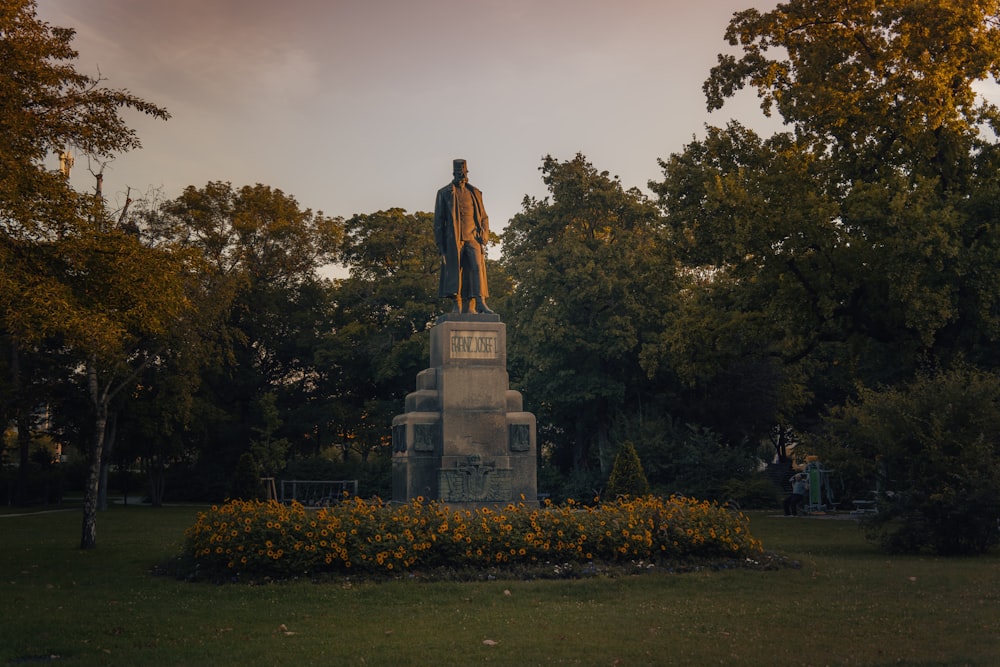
627,477
755,493
686,458
933,450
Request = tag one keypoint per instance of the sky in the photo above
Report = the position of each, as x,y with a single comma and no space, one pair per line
357,106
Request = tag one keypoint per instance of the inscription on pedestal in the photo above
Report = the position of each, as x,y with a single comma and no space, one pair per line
474,345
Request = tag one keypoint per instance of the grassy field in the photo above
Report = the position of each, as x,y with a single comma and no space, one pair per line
847,605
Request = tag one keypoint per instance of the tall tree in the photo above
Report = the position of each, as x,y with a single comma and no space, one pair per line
263,254
68,275
127,299
852,247
592,277
383,311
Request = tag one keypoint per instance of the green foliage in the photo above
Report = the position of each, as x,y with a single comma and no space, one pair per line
381,316
65,270
686,459
850,249
755,492
627,477
887,85
559,485
46,105
932,450
592,280
74,284
246,481
264,311
268,452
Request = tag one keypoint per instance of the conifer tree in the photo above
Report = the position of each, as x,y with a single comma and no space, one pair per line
627,477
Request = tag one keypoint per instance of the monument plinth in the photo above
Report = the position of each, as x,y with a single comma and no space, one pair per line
464,438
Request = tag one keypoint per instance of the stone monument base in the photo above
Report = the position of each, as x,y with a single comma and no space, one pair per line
464,439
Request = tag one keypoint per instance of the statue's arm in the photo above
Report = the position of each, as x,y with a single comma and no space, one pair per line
440,223
484,220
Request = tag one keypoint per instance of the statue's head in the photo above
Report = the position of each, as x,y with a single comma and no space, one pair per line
460,170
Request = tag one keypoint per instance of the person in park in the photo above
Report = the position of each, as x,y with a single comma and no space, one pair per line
461,232
799,487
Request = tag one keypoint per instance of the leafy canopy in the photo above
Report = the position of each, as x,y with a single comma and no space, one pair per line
592,279
890,83
853,246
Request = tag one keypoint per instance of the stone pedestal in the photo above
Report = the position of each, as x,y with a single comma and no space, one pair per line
464,438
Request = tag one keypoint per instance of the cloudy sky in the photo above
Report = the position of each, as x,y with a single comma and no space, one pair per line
355,106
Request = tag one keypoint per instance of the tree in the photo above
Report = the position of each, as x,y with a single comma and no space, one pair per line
885,87
627,477
69,275
263,253
125,298
47,106
932,450
384,310
850,249
592,279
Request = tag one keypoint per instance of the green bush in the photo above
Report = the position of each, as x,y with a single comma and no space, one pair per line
627,477
687,458
559,486
932,450
755,493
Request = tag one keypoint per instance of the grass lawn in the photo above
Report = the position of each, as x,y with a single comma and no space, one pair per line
847,605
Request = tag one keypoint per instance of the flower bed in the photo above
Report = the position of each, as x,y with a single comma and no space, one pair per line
267,539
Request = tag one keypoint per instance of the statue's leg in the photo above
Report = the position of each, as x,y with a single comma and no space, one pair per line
481,306
467,277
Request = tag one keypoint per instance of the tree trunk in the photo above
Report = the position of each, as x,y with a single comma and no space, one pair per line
23,421
603,447
102,486
781,444
580,444
155,470
88,539
111,430
24,451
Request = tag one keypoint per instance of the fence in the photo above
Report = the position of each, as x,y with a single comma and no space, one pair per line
317,493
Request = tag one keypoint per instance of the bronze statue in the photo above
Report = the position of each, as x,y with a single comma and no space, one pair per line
461,231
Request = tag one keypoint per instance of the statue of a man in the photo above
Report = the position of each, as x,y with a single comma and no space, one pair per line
461,231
